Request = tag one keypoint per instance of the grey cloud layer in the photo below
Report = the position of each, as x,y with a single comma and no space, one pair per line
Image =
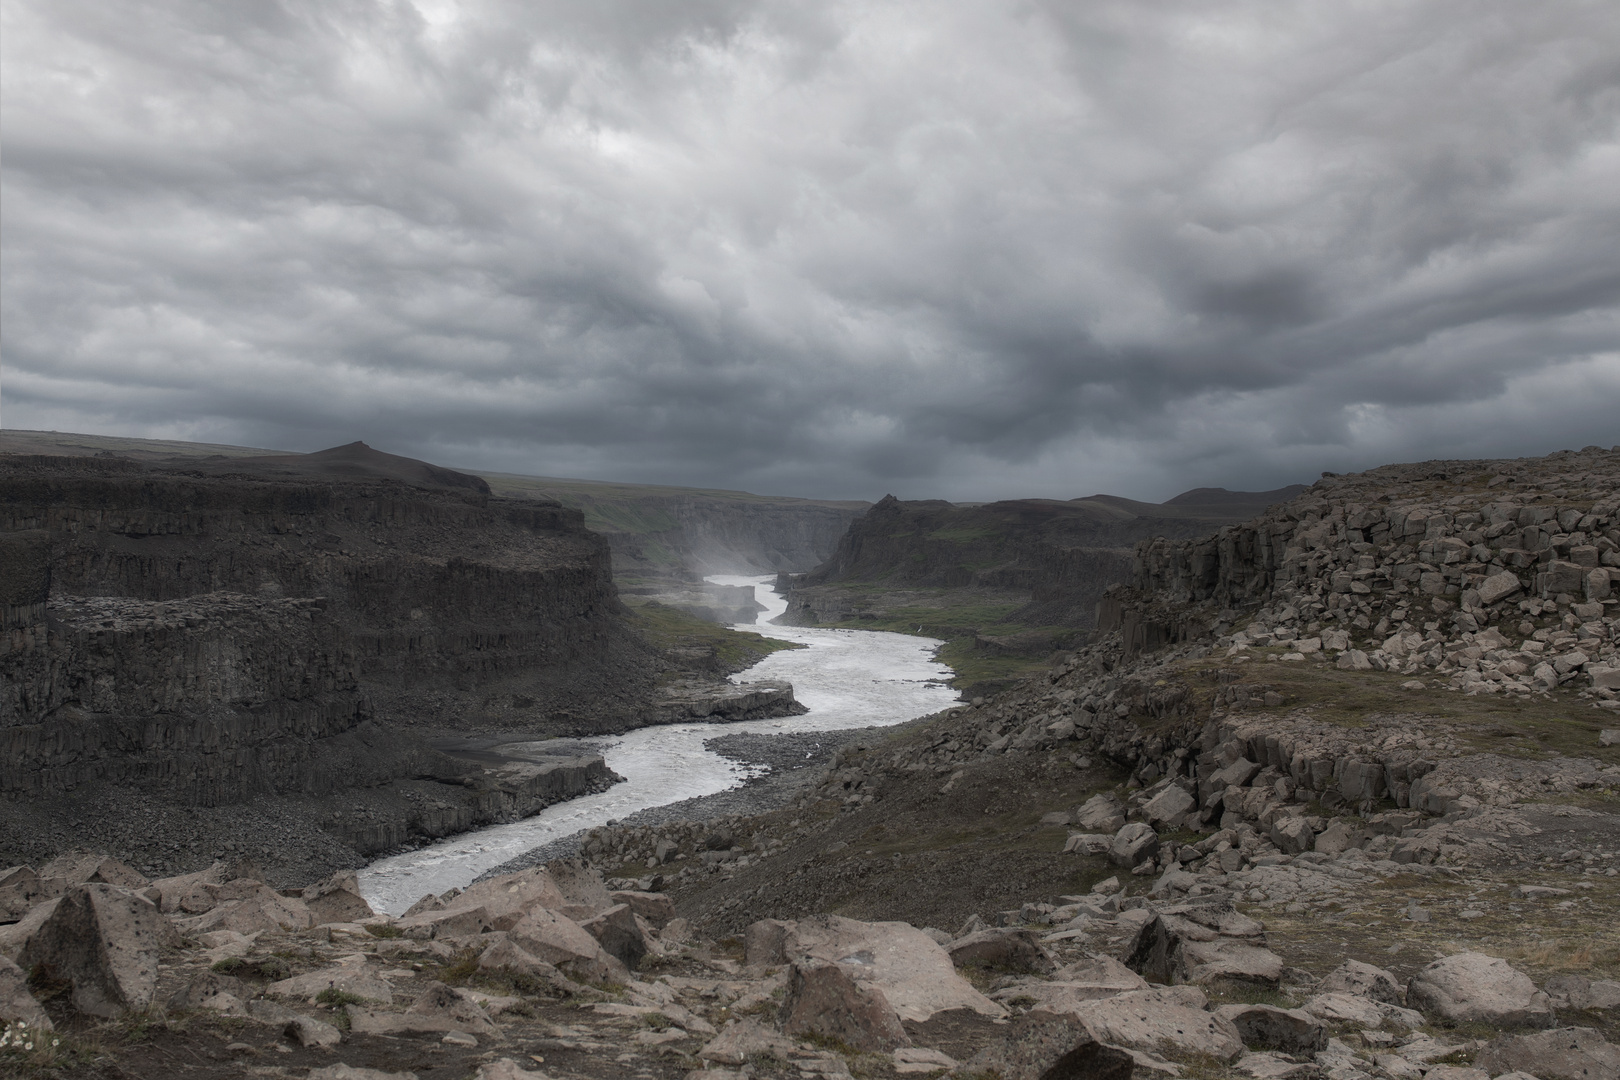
947,249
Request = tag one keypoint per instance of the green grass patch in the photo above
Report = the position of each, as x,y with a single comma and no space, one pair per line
384,930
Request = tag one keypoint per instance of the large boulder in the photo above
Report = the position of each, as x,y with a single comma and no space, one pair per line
1150,1020
1579,992
1362,980
1133,843
247,905
350,975
1169,808
657,908
1100,814
106,941
742,1040
337,899
619,934
1041,1045
86,868
1085,980
187,892
1201,943
1564,1054
913,971
560,941
1475,988
1266,1027
20,890
1002,949
582,893
506,957
823,1000
15,936
17,1005
438,1008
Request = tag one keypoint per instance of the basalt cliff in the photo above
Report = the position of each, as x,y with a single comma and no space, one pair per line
290,643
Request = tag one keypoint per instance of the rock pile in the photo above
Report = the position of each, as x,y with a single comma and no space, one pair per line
535,966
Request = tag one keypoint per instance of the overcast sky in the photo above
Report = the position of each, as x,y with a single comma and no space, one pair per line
943,249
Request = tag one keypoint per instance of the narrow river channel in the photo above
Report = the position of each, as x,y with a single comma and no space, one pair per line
847,679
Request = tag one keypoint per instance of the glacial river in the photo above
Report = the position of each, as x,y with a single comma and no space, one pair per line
847,679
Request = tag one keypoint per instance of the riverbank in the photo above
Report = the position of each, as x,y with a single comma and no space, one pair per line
789,763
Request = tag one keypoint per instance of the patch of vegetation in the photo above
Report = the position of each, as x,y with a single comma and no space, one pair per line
666,628
463,967
265,968
384,930
335,997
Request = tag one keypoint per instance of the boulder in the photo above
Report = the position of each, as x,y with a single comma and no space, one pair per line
247,905
350,975
1084,980
1341,1008
1563,1054
1101,813
1292,835
1042,1045
1338,837
560,941
1150,1021
506,957
17,1005
15,936
337,900
1201,943
582,894
84,868
172,890
657,908
106,941
437,1009
1362,980
913,971
1133,843
620,936
20,890
1002,949
211,990
1498,586
743,1039
1266,1027
823,1000
1579,992
1169,808
1475,988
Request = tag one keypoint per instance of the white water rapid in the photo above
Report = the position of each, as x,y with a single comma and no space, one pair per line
847,679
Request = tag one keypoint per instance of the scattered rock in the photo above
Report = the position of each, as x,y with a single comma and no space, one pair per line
1362,980
1002,949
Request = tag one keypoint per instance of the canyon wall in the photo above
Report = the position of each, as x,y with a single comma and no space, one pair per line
210,639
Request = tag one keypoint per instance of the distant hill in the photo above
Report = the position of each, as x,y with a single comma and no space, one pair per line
653,531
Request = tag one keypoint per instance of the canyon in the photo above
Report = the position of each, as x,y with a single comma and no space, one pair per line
1331,793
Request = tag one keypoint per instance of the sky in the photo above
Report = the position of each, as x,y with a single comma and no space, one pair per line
946,249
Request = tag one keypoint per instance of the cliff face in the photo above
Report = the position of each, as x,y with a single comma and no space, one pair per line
1470,543
208,637
1060,555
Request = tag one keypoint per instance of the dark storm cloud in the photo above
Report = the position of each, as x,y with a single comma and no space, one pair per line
970,250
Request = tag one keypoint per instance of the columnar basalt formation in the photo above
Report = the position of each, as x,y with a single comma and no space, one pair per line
211,638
